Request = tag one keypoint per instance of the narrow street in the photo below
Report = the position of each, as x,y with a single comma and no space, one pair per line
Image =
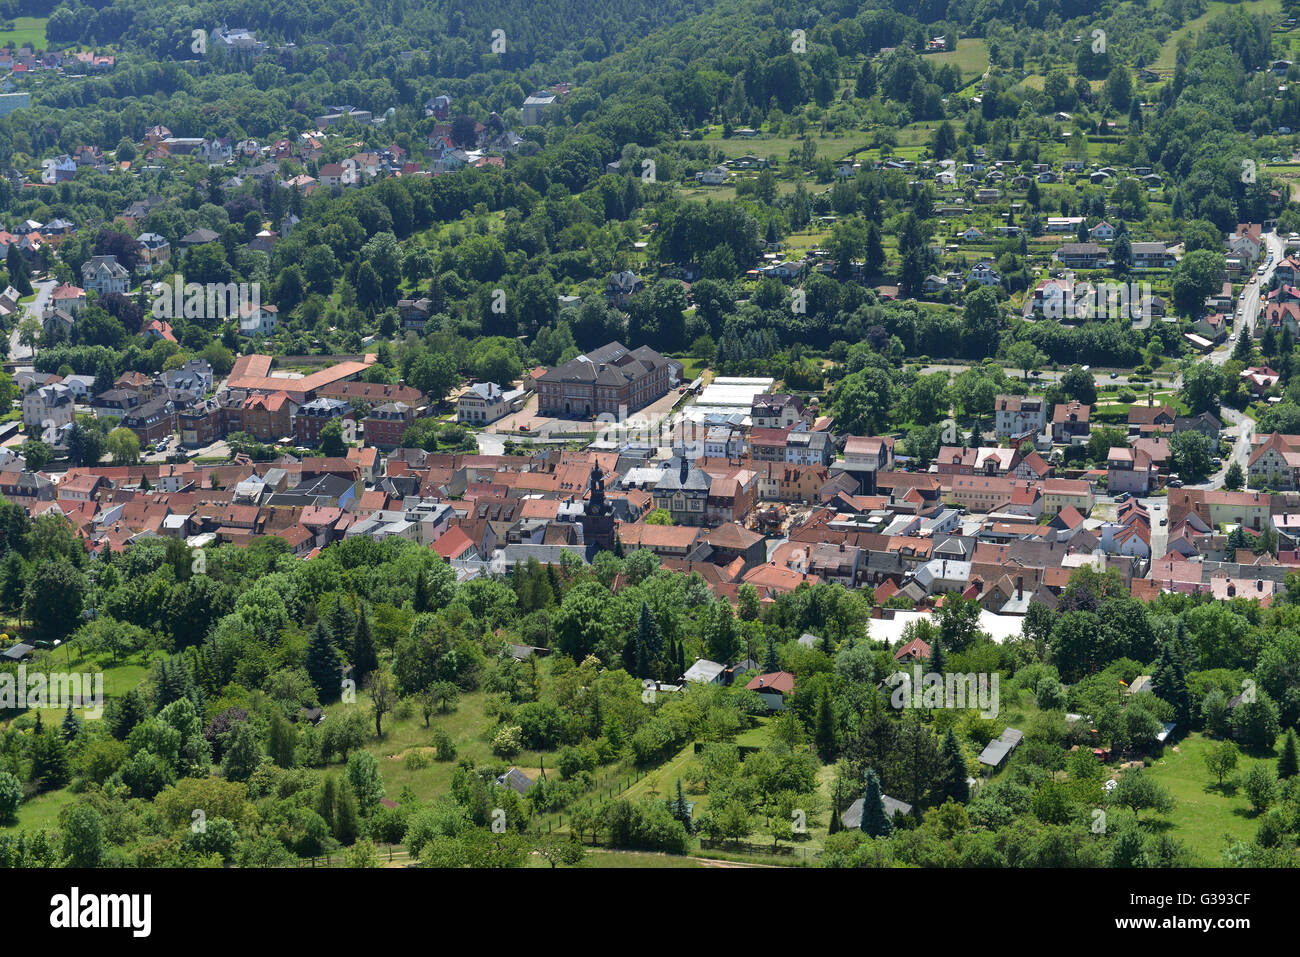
36,307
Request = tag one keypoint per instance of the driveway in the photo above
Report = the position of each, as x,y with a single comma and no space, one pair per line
35,308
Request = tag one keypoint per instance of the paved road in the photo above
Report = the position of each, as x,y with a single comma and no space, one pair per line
1249,300
1100,376
35,308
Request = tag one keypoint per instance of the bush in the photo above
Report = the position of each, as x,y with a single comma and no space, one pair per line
445,747
508,741
646,826
11,795
416,760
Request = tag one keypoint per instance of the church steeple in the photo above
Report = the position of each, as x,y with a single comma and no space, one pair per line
596,504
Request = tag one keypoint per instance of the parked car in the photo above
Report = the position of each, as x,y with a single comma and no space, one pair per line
1175,483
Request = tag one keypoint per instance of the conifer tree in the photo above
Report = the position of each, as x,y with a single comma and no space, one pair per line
722,633
1169,682
771,662
824,733
680,811
875,823
364,659
1287,763
71,724
420,599
938,657
952,773
130,711
323,664
650,644
341,621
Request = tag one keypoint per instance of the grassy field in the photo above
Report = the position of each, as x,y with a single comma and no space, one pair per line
971,56
835,146
42,811
1204,818
466,726
118,678
27,31
1170,49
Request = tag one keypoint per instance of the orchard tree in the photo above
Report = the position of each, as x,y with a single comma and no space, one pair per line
1221,759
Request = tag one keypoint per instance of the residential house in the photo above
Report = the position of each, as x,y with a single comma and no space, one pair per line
48,407
1082,256
1019,417
105,275
1071,423
485,402
1129,470
386,423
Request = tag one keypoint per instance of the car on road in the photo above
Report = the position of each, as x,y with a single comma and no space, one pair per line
1218,463
1114,375
1164,521
1123,497
1175,483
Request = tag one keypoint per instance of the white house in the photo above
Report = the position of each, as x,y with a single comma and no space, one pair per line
713,177
258,320
48,405
984,274
105,275
485,402
705,672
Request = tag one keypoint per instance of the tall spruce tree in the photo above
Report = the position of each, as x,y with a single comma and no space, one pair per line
771,662
938,657
71,724
681,811
323,664
1169,682
341,622
1287,766
824,733
875,823
364,659
722,633
650,644
952,774
420,599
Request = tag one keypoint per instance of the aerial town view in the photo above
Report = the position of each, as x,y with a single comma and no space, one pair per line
723,434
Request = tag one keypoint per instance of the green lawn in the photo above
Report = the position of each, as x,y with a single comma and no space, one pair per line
1204,818
27,31
466,725
1170,49
118,678
42,811
835,146
604,859
971,56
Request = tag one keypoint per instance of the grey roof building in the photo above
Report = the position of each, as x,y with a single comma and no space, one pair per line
852,816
